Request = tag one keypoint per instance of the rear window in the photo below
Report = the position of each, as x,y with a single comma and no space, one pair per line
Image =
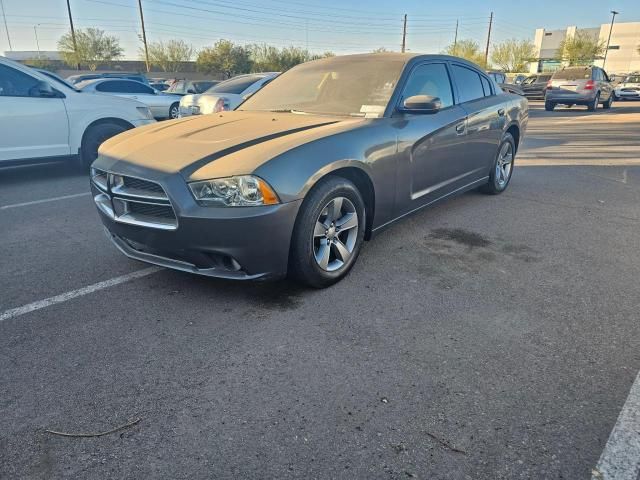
572,74
235,85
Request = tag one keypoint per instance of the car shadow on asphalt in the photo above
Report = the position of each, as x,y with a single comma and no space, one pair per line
39,172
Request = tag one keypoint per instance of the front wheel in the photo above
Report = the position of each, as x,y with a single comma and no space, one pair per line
549,106
502,166
328,233
93,138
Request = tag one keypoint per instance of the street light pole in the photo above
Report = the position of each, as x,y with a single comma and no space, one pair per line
613,17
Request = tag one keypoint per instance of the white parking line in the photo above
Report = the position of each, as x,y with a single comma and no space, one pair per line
620,459
63,297
44,200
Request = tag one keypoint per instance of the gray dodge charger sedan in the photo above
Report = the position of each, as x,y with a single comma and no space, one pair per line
300,174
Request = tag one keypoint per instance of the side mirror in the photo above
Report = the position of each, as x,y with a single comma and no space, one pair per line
421,104
43,89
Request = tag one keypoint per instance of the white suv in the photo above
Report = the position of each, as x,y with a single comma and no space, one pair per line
43,118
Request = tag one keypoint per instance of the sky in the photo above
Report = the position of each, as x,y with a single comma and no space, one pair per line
340,26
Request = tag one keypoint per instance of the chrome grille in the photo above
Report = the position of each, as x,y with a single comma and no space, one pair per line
133,200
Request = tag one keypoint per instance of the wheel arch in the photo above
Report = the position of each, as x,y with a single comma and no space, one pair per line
102,121
514,130
356,172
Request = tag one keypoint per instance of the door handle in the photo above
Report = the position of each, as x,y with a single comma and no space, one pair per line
501,112
460,128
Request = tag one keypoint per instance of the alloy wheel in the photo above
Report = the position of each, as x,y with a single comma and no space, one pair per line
335,234
504,164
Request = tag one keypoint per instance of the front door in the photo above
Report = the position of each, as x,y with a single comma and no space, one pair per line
31,126
430,145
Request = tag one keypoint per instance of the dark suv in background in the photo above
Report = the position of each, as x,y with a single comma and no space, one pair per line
535,86
571,86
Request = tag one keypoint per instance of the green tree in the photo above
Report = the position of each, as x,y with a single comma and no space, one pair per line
580,49
225,57
467,49
94,47
264,58
513,55
169,56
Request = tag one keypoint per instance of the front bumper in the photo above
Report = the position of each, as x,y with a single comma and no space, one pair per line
226,242
635,94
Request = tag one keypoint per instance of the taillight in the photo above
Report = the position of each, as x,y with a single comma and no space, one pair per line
589,85
221,105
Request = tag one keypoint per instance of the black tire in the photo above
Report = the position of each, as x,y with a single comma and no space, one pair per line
549,106
607,105
94,137
594,104
303,265
174,110
495,185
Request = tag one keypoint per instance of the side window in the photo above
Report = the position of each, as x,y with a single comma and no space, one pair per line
14,83
486,86
430,79
137,87
596,74
469,83
111,86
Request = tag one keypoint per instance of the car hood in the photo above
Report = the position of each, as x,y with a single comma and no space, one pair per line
209,146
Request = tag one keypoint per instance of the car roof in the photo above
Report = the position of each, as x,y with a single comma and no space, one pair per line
408,58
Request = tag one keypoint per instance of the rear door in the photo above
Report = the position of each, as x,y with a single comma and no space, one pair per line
30,126
486,118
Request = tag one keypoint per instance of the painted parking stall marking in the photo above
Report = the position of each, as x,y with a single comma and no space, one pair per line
63,297
44,200
620,459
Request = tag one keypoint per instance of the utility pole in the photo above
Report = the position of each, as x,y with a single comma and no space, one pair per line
144,36
5,25
35,30
73,34
486,52
455,39
613,17
404,34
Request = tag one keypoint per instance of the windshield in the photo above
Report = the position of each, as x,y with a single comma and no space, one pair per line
334,86
235,85
58,80
632,79
573,74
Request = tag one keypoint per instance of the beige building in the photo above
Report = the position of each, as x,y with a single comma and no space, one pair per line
622,56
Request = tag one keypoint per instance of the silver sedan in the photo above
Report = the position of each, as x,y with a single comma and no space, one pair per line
161,105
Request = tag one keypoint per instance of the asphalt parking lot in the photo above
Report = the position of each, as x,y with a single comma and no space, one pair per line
484,338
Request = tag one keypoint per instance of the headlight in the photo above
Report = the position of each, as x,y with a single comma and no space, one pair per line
145,112
240,191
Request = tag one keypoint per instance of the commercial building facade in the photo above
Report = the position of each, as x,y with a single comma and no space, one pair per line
622,56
